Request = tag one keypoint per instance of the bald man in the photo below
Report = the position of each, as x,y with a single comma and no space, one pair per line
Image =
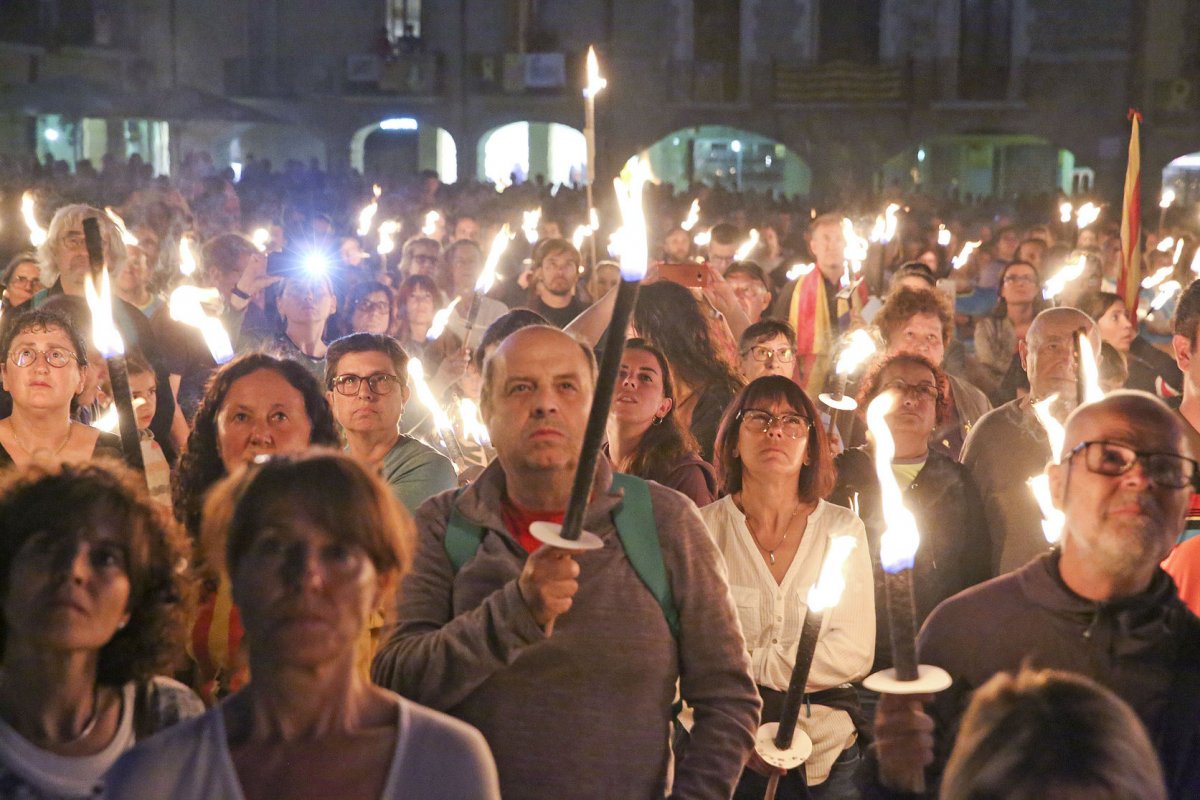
564,659
1008,445
1098,605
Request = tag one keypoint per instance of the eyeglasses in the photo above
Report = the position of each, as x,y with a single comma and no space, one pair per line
1166,470
925,391
424,258
793,426
1019,279
379,383
28,283
372,306
784,355
56,357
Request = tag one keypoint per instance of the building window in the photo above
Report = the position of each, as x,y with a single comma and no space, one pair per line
404,20
984,49
849,31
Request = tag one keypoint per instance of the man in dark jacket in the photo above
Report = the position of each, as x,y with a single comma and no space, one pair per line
1099,605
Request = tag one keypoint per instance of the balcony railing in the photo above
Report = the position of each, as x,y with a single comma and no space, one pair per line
838,82
412,74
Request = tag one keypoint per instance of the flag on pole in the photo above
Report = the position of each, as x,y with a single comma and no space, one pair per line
1130,281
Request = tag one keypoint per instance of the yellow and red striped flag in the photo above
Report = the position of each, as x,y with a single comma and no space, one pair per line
1130,281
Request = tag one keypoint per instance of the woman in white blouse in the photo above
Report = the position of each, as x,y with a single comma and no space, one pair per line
773,527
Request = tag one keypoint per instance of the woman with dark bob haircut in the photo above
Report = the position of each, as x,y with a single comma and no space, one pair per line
955,550
255,405
95,597
774,528
309,578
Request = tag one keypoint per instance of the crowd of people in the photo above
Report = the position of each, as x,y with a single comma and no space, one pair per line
320,574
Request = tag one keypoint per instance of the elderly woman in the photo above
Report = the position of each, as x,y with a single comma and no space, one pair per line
20,281
44,372
956,548
94,602
644,437
255,405
773,528
308,578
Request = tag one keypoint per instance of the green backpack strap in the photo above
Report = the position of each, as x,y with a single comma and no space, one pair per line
635,527
462,536
639,536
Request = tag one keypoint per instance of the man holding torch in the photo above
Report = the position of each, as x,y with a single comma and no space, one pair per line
1098,605
566,660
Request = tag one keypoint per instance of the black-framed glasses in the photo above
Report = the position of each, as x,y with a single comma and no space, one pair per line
372,306
784,355
57,357
1019,279
379,383
792,426
926,391
1168,470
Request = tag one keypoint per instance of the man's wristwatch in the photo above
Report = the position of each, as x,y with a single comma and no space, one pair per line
236,292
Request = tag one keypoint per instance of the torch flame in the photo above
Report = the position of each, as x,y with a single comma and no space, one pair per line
1057,282
593,220
581,233
693,216
1168,198
37,234
1160,275
1165,293
440,319
1089,367
261,238
126,237
899,542
1087,214
890,223
831,582
702,238
1065,212
367,215
529,224
635,251
473,426
431,221
187,259
105,335
943,238
110,420
747,247
499,244
1052,518
858,348
964,255
799,271
1166,244
856,246
1195,265
416,373
595,81
387,231
187,306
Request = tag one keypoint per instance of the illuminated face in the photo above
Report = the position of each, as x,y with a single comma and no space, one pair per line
262,414
419,307
603,280
751,293
423,259
559,273
466,228
920,335
677,246
1020,285
1115,327
23,284
828,247
773,356
639,398
38,385
720,256
914,409
367,410
465,265
372,314
308,302
71,257
774,451
144,389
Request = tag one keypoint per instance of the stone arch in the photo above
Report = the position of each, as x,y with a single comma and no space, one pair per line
528,147
728,155
428,147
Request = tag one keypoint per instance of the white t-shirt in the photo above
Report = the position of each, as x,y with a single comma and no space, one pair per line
28,772
436,758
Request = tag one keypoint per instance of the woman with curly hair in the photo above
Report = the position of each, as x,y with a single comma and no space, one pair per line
94,608
669,318
644,436
955,549
255,405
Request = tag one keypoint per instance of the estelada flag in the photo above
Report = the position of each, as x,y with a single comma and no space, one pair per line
1130,281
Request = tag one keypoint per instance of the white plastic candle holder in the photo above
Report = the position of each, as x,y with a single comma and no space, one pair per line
843,403
551,533
930,679
795,755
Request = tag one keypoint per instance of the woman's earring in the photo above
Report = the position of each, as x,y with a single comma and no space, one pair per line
657,421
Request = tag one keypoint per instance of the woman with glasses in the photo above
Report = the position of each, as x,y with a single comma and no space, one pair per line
956,547
768,347
997,334
94,602
369,309
644,437
774,528
309,578
20,281
256,405
367,380
44,367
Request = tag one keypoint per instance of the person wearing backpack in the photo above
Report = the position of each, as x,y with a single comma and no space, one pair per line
568,661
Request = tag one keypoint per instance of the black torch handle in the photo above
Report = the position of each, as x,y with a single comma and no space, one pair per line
806,648
131,442
903,618
1077,350
606,381
95,247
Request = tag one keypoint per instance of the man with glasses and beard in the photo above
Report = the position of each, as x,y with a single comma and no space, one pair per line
1098,604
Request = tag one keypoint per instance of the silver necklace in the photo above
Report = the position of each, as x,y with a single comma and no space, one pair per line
786,531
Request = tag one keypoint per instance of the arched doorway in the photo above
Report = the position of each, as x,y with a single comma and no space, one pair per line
402,146
978,165
1182,176
720,155
521,151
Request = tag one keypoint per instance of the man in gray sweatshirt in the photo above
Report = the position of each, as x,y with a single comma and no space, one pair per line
564,659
